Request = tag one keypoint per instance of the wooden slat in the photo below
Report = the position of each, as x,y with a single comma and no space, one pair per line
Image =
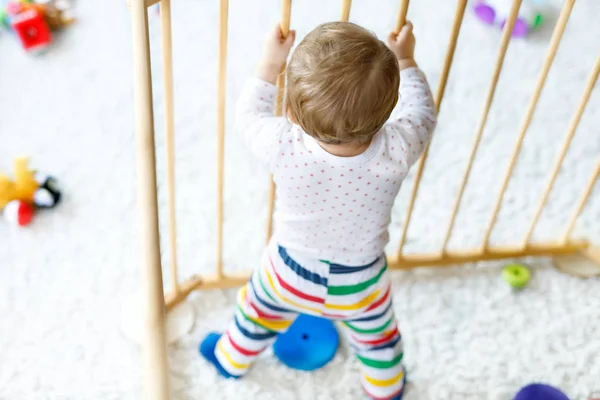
591,82
458,19
345,14
286,15
286,11
205,283
154,349
449,258
167,57
401,18
506,35
221,86
581,202
592,253
550,54
149,3
452,257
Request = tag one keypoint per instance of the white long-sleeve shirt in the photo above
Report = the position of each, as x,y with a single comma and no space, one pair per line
336,208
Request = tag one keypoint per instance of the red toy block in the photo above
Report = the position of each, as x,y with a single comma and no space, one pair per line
32,30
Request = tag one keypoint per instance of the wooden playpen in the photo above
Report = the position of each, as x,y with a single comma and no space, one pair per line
154,342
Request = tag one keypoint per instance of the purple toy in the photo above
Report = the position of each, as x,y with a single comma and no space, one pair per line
495,12
538,391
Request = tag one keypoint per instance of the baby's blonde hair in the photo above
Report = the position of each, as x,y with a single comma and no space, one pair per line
342,84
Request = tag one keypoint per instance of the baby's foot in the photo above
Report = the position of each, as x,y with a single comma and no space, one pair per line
207,349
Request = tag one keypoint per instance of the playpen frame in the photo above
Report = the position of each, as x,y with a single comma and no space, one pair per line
155,359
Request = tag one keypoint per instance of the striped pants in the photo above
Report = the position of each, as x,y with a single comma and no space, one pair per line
287,284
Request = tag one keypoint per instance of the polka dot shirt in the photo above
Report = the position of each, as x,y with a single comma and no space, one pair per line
336,208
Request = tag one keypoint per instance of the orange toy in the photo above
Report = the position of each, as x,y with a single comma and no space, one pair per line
23,187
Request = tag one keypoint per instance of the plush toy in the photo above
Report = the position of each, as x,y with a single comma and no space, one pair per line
495,12
57,13
18,212
29,25
27,191
47,195
33,22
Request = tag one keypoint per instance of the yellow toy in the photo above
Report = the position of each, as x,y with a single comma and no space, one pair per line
29,189
22,188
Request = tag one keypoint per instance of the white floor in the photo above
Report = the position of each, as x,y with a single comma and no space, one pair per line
64,279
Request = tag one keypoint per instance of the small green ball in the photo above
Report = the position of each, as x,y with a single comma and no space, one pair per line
516,275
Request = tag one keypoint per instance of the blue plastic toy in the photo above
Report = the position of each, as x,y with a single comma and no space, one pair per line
309,344
539,391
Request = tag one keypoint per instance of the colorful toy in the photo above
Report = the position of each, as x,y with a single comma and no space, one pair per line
57,13
48,194
18,212
539,391
22,188
516,275
33,22
309,344
32,29
495,12
27,191
4,19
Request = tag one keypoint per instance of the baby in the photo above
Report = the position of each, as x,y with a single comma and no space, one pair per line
359,114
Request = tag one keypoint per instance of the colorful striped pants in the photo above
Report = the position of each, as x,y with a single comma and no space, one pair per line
287,284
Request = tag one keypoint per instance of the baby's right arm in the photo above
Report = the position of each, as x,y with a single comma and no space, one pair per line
254,119
409,129
255,123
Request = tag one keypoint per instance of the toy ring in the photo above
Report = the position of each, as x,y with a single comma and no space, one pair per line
516,275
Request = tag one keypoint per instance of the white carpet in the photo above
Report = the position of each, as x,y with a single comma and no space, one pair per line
63,280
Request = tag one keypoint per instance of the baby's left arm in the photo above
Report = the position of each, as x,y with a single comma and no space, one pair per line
411,126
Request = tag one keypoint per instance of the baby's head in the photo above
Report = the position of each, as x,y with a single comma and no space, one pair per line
342,84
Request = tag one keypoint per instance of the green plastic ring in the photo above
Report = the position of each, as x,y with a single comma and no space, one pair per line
516,275
538,20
